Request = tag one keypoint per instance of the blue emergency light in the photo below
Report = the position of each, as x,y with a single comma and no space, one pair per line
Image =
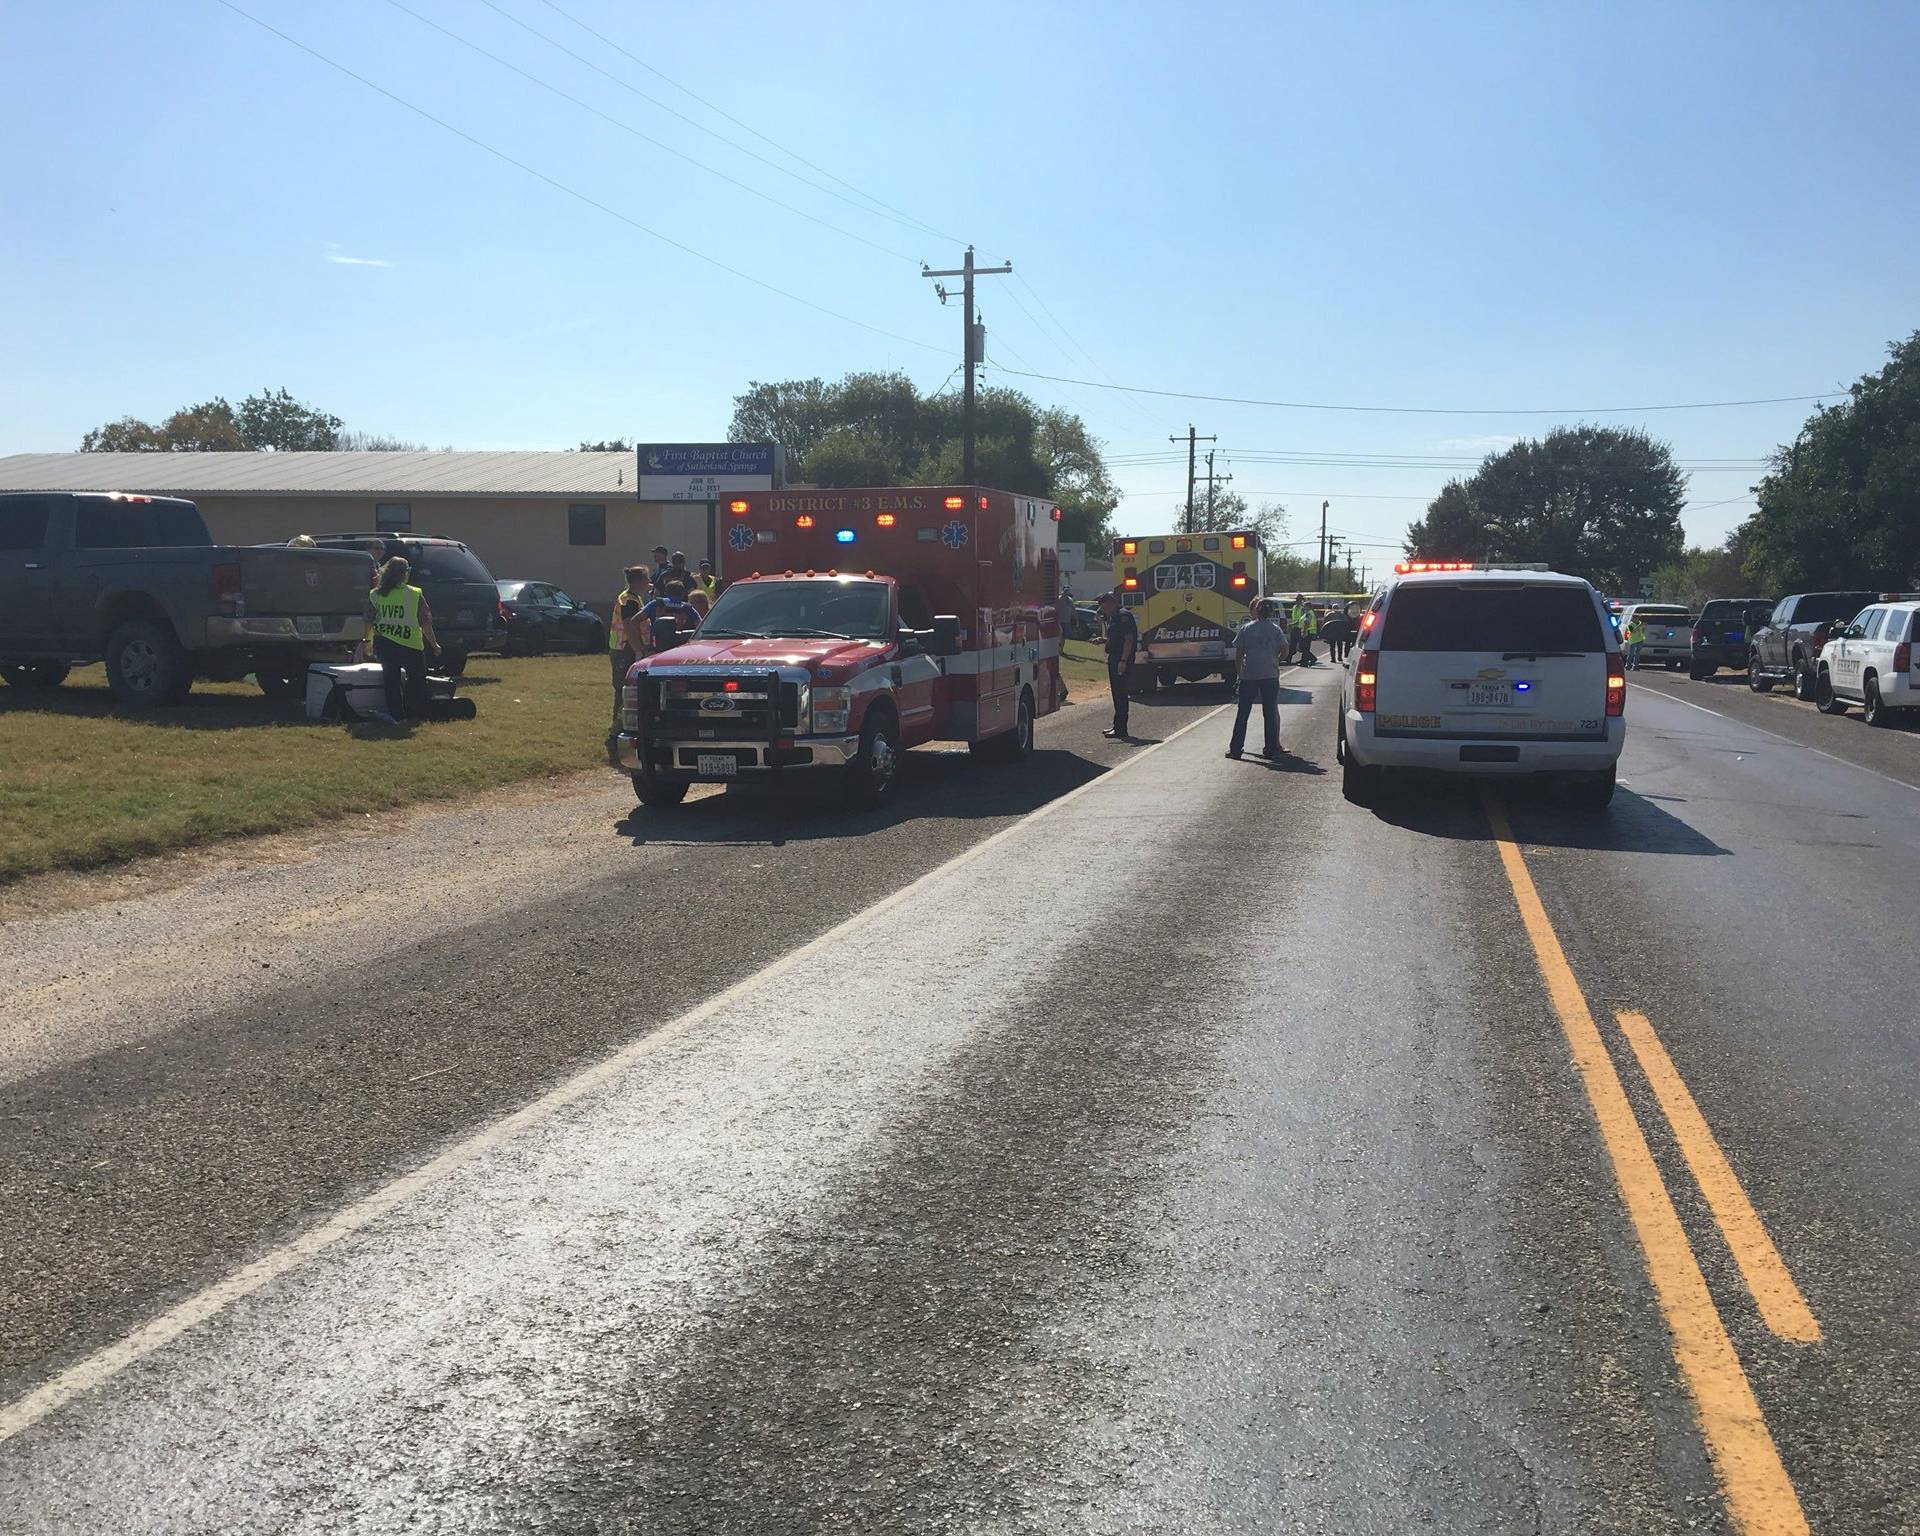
843,536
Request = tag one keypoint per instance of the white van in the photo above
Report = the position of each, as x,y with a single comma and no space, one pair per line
1485,672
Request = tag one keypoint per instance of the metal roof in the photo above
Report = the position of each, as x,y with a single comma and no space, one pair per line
324,474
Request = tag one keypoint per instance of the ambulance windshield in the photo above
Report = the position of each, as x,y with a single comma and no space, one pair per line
842,610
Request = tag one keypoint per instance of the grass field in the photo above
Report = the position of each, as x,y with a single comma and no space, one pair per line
83,784
1084,665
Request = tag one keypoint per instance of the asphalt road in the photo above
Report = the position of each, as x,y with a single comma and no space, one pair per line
1130,1141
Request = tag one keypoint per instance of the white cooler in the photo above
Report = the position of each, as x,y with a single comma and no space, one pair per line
345,691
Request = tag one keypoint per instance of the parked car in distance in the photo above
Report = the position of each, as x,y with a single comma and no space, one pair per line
137,582
1484,672
1086,623
540,617
460,589
1669,634
1721,635
1784,649
1872,662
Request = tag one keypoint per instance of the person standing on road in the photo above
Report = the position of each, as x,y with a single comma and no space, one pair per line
1305,624
1123,639
403,638
1257,650
623,629
1636,637
1335,631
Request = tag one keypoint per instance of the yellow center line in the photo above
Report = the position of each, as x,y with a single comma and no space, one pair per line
1759,1495
1782,1306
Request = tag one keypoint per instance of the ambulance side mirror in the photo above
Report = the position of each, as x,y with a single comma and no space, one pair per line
945,639
911,642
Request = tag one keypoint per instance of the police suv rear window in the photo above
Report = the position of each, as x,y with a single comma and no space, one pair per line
1481,617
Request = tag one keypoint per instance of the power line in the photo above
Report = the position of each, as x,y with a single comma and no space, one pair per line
1427,410
573,192
738,123
751,154
646,138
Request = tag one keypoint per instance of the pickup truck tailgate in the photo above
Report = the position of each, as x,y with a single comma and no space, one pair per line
301,581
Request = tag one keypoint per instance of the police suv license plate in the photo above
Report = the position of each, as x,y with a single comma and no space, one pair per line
1489,693
718,765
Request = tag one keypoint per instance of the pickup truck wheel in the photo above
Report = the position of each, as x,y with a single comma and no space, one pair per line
872,775
1699,674
1755,681
454,662
1876,711
146,667
651,790
35,676
1830,703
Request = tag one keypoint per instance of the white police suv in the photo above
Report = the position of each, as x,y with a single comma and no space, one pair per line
1484,671
1873,662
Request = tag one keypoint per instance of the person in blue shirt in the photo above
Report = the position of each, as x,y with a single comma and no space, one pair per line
671,604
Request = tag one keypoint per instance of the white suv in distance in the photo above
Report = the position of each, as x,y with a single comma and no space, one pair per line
1492,671
1874,662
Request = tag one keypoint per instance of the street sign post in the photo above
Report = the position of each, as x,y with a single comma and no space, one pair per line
707,472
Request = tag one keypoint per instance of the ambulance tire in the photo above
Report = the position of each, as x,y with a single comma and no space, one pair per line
1014,746
658,793
1142,681
871,776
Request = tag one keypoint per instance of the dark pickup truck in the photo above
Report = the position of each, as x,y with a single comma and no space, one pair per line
137,582
1785,648
1720,634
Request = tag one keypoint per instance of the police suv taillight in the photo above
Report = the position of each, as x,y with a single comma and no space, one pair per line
1616,687
1366,681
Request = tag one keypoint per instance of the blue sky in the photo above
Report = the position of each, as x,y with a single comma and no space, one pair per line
1541,206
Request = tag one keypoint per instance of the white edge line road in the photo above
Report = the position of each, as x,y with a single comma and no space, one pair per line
1761,730
110,1360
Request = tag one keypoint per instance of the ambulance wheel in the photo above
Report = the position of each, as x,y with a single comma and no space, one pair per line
651,790
1014,746
872,775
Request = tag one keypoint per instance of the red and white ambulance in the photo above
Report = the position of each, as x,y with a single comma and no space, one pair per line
855,624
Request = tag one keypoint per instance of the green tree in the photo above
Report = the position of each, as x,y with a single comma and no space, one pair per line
608,445
375,442
1841,507
272,421
877,429
267,421
1598,502
1700,575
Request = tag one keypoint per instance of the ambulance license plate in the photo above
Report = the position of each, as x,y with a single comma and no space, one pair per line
717,765
1489,693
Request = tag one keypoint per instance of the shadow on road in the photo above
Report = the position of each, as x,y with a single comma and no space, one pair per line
807,807
1450,807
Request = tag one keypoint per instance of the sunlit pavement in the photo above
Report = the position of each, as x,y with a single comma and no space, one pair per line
1132,1140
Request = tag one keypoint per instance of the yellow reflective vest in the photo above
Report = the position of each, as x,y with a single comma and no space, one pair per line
396,617
1305,621
616,631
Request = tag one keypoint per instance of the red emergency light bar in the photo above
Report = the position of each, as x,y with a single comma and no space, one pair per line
737,508
1239,541
884,520
1416,567
804,520
954,503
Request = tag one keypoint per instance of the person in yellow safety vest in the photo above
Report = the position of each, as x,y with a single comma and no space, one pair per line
705,581
1304,624
403,638
626,630
1636,637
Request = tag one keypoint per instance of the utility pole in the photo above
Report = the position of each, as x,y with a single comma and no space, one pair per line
1193,440
973,345
1323,549
1334,544
1212,480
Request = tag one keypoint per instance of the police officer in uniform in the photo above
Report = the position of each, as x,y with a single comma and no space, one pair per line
403,638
